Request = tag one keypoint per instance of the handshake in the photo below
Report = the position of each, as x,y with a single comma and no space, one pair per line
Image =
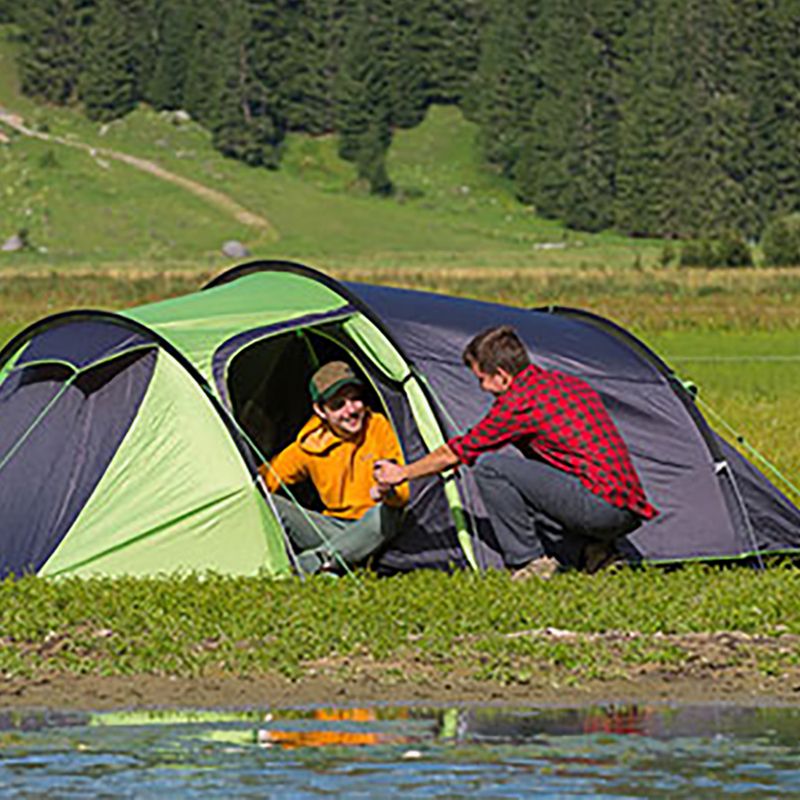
387,474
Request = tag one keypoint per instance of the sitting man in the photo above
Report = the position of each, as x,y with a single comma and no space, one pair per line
336,450
576,490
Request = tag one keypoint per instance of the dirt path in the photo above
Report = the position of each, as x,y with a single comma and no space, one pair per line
219,199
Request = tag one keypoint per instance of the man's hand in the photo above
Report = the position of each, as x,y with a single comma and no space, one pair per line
380,491
388,474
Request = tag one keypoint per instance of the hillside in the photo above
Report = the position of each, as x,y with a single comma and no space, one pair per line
85,207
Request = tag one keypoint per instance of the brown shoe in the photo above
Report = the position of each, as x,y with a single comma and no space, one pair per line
598,556
544,568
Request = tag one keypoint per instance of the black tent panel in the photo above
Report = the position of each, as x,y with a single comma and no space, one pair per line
705,512
60,432
81,341
773,521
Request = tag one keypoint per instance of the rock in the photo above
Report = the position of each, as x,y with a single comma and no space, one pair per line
234,249
13,244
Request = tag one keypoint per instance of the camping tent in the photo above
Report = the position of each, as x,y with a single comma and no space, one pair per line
129,443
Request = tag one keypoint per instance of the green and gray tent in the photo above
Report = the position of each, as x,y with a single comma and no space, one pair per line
130,443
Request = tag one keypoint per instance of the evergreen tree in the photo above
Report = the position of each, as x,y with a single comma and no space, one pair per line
175,34
108,81
338,18
683,134
639,178
772,81
506,86
205,62
542,175
306,87
7,8
141,22
53,38
450,36
247,124
701,141
408,62
363,101
595,98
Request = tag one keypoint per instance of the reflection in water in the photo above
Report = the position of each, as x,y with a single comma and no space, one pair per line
332,735
613,750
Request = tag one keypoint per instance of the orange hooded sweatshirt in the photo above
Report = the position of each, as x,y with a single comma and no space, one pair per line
340,469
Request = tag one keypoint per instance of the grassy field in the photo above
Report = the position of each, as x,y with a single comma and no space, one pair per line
481,627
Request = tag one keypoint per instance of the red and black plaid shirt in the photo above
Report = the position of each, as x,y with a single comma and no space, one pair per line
561,420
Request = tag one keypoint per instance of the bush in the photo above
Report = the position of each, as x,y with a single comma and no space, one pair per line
781,242
698,254
732,251
729,250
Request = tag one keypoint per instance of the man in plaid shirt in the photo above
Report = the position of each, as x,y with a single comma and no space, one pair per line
576,490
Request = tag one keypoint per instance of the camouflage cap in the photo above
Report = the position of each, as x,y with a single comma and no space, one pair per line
331,377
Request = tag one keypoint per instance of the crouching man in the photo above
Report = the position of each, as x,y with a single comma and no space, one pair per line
575,492
336,450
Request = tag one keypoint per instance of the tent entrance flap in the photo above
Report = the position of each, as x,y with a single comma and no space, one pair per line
267,383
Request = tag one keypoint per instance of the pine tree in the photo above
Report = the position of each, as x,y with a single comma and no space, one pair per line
141,22
7,11
247,124
506,87
205,62
108,82
642,132
542,176
450,36
53,34
772,82
338,18
594,98
363,101
175,33
306,87
408,62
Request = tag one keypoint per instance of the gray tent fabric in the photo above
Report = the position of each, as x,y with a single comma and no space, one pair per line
71,427
713,502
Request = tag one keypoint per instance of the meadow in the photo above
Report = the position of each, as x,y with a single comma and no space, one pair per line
104,234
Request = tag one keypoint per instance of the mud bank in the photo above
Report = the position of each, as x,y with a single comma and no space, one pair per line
368,684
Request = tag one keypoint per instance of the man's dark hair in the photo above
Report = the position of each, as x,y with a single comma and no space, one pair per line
497,348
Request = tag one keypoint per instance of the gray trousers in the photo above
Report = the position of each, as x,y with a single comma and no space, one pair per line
537,510
321,541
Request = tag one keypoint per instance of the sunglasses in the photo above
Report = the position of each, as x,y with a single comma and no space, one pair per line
336,403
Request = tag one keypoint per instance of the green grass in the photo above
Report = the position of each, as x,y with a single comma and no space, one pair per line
484,626
95,210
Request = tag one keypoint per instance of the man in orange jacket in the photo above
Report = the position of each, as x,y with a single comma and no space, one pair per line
336,450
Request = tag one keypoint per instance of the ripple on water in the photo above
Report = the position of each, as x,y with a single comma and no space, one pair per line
405,751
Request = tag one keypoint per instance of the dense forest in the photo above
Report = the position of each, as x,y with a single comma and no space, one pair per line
670,118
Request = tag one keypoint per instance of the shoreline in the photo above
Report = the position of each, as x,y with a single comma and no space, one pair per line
709,685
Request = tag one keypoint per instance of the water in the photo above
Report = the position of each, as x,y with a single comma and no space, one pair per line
405,752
